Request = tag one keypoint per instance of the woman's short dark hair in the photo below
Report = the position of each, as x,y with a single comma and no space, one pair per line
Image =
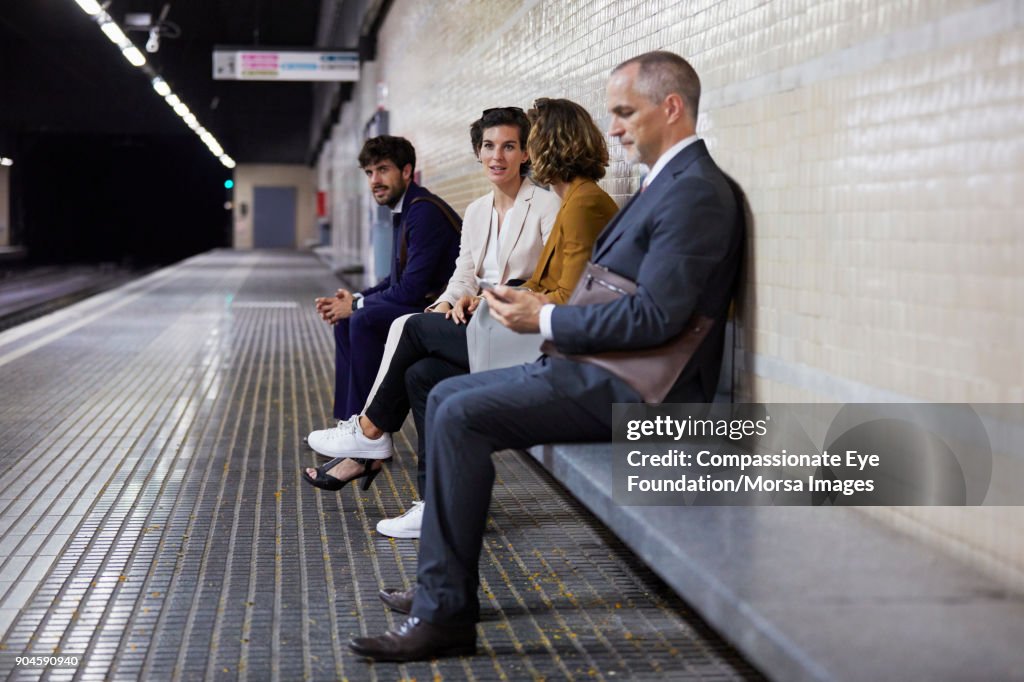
501,116
565,143
397,150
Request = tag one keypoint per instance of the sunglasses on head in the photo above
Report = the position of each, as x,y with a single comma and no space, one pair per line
514,110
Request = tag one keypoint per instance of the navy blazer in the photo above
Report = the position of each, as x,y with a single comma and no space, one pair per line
681,242
432,245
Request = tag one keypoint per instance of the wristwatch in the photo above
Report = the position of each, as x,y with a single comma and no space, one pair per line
357,302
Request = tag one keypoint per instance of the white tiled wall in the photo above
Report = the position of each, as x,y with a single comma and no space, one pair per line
881,143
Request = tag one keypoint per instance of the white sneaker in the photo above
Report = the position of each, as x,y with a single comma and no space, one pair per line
406,526
313,435
347,440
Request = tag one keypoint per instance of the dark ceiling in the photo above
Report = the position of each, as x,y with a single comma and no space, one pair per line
60,75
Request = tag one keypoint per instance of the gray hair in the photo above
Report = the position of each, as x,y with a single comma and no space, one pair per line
664,73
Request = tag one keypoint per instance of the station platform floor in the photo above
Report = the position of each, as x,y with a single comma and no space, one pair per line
154,524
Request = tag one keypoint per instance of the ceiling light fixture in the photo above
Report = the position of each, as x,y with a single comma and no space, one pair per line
4,161
161,87
136,58
90,7
113,31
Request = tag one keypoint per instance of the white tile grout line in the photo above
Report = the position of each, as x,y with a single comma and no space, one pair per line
977,23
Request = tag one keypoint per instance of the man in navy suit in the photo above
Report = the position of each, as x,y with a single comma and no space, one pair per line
424,249
680,239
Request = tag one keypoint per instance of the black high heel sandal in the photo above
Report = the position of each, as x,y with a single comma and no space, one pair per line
325,481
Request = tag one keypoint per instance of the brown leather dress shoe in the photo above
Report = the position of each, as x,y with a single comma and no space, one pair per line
417,640
398,600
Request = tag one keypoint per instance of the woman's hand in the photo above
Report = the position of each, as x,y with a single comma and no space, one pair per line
464,307
442,307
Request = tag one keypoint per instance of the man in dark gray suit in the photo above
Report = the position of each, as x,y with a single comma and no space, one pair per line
680,240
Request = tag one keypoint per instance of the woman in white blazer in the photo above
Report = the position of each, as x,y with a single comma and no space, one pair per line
503,234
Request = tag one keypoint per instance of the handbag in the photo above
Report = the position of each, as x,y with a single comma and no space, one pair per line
651,372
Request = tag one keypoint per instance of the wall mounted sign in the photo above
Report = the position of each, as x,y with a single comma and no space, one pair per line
285,65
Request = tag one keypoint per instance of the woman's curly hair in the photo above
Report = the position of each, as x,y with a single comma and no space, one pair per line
564,142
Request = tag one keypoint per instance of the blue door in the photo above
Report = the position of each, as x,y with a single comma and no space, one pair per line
273,217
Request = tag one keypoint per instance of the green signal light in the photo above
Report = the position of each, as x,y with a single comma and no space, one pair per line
228,184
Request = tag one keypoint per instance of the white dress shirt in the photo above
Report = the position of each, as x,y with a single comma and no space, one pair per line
490,262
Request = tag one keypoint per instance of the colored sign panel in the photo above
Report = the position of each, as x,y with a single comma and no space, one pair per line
285,65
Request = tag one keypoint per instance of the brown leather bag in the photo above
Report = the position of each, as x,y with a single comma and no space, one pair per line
651,372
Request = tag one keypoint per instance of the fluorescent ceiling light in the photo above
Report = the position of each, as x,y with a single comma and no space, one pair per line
90,7
134,56
114,32
161,87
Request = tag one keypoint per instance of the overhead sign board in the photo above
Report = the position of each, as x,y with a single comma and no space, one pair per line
285,65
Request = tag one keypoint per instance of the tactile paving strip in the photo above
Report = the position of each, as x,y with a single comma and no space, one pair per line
154,524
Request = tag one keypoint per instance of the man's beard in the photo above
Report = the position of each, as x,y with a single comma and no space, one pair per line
391,198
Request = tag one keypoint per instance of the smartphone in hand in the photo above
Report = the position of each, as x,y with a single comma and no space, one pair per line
488,286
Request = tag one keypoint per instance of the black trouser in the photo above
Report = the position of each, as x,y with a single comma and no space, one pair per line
431,349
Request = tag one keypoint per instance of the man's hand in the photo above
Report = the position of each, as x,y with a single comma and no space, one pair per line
333,310
517,309
464,307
